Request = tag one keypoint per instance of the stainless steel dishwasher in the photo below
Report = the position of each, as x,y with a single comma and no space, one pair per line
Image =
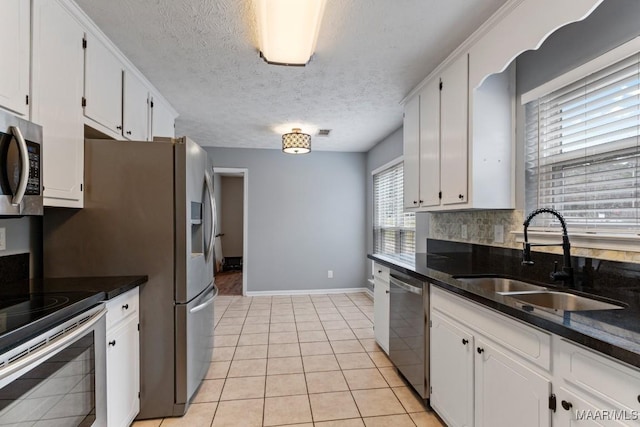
409,331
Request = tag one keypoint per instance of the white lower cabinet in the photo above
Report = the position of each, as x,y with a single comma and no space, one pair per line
381,306
593,389
507,393
491,370
123,359
486,369
451,371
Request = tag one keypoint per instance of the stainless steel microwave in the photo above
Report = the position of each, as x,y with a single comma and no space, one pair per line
20,166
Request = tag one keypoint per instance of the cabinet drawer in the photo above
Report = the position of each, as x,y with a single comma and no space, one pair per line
381,272
122,306
609,380
532,344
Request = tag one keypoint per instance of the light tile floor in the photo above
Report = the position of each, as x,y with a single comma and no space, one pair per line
300,361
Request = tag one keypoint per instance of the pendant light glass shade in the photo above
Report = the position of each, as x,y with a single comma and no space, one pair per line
296,142
288,29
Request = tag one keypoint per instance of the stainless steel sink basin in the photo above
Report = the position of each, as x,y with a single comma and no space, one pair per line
500,285
563,301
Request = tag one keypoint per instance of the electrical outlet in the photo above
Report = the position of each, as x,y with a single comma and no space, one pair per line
463,231
498,233
330,274
3,239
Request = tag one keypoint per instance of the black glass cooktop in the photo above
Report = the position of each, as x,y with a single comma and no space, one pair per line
25,316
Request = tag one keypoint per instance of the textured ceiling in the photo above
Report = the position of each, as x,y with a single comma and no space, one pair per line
202,56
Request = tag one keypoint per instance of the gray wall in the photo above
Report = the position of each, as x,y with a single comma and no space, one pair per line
306,216
24,235
232,215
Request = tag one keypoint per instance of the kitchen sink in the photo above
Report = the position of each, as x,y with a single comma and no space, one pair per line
500,285
563,301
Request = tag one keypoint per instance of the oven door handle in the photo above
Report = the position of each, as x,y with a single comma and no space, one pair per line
405,286
51,348
24,170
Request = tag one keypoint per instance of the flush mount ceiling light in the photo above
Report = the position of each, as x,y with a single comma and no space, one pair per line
288,29
296,142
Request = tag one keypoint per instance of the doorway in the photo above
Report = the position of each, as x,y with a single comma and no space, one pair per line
231,193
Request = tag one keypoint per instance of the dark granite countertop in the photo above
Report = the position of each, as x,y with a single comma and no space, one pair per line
111,286
612,332
30,307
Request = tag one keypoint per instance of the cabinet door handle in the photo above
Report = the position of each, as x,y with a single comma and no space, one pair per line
480,350
566,405
460,196
380,271
125,307
112,343
421,201
465,341
128,132
415,202
386,292
119,127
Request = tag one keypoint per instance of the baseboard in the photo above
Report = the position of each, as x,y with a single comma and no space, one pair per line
307,292
369,293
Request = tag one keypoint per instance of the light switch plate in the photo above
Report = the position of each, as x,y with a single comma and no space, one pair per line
463,231
498,233
3,239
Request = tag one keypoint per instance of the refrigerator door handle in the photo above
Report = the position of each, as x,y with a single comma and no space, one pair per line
207,303
212,203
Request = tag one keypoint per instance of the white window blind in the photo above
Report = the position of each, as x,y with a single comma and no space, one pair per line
582,150
393,230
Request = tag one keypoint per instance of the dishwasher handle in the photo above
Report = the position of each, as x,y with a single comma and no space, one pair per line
407,287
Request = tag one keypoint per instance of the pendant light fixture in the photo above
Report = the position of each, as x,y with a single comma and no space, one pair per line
288,29
296,142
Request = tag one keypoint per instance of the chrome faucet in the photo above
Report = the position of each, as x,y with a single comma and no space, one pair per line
566,275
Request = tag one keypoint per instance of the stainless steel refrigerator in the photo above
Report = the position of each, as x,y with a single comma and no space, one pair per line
149,210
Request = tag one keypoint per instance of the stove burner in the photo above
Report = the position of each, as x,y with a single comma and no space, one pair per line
35,304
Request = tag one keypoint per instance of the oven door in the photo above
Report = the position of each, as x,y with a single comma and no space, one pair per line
20,167
57,378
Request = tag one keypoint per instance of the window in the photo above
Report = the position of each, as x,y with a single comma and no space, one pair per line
582,147
394,231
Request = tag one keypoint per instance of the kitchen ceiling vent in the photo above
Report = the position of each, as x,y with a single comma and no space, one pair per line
324,132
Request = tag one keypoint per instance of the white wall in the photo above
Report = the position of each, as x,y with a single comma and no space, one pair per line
232,215
306,215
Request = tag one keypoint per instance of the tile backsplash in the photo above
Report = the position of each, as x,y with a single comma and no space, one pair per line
480,230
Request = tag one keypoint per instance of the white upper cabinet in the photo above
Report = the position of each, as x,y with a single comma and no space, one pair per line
14,44
430,144
411,153
135,124
453,132
57,84
163,119
103,85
